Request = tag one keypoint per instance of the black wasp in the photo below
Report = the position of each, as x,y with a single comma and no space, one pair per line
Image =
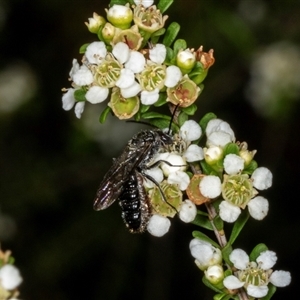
124,180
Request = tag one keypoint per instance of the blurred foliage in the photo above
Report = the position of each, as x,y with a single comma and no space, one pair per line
51,167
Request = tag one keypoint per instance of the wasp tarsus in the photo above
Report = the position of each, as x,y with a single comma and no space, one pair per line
124,180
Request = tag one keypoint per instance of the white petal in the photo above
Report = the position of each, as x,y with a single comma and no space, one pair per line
68,99
158,53
121,52
180,178
10,277
239,258
218,138
131,91
188,211
96,94
190,131
257,291
126,79
267,259
258,207
156,174
202,251
214,274
229,212
83,76
216,125
177,163
232,283
210,186
158,225
173,76
233,164
262,178
280,278
193,153
79,108
145,3
136,62
149,98
95,52
75,68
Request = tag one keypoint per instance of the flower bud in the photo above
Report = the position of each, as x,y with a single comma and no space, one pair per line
120,16
185,60
214,274
213,154
95,23
108,32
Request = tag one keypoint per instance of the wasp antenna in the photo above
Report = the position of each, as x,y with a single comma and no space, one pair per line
172,118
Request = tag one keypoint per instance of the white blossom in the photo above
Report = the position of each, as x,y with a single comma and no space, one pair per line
173,76
180,178
95,52
75,68
258,207
10,277
267,259
158,225
136,62
158,53
233,164
219,133
155,173
190,131
176,163
126,79
131,91
83,76
262,178
239,258
96,94
79,108
193,153
121,52
188,211
149,98
210,186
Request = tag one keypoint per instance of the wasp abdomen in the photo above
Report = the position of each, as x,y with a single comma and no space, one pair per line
134,204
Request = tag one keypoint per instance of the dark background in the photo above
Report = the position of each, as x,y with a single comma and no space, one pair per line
51,163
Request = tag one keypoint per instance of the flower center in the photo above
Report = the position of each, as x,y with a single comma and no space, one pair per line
152,77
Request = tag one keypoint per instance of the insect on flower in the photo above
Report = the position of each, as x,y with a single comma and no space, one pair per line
124,180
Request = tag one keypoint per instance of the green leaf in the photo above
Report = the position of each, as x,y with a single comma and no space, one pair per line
144,108
171,34
238,226
224,296
155,115
104,114
218,222
226,252
211,286
179,44
170,57
251,167
203,237
82,49
203,122
11,260
182,118
79,95
207,169
231,148
163,5
190,110
161,100
156,35
163,123
258,249
271,292
202,222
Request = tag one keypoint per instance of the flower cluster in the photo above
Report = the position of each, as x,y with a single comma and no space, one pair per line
130,67
10,277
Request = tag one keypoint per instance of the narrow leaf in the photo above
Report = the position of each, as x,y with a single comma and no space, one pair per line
171,34
238,226
231,148
182,118
218,222
163,5
258,249
226,252
271,292
180,44
154,115
104,114
203,122
79,95
203,237
190,110
202,222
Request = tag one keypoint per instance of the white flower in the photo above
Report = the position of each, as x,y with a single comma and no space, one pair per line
68,99
131,91
121,52
145,3
257,274
10,277
258,207
210,186
219,133
126,79
158,225
158,53
180,178
173,76
96,94
213,154
205,254
136,62
79,108
190,131
193,153
214,274
262,178
233,164
229,212
95,52
188,211
83,76
149,98
75,68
